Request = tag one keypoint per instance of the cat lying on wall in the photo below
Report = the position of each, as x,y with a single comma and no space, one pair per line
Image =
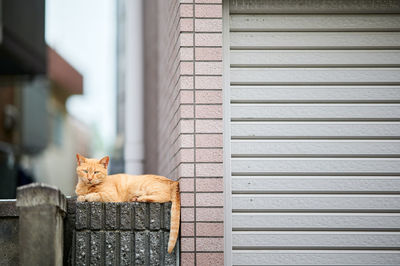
96,185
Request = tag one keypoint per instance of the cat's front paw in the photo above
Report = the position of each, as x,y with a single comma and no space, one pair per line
134,199
92,197
81,198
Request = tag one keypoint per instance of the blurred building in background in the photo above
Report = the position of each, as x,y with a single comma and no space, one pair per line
38,138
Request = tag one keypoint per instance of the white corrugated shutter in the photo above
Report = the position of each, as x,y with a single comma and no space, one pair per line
315,132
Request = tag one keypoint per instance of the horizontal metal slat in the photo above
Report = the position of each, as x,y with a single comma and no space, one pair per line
315,130
259,166
314,40
274,93
315,112
290,6
313,58
295,148
243,76
315,257
316,221
313,22
316,240
315,184
291,202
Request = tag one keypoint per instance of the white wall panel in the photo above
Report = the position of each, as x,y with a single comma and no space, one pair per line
314,123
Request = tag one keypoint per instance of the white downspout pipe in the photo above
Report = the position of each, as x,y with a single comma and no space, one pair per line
133,147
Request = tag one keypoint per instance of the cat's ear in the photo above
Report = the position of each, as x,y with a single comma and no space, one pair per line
80,159
104,161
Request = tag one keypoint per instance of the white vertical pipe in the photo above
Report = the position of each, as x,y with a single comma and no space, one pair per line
133,148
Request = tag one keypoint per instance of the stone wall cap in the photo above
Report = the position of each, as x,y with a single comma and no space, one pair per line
40,194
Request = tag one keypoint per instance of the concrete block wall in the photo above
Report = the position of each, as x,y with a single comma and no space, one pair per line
188,111
119,234
8,233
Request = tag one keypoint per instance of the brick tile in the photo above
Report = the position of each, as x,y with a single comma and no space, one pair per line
186,24
208,83
186,111
186,1
187,244
209,11
208,68
209,199
186,126
186,39
186,185
186,170
187,215
209,184
208,1
210,244
186,97
209,169
187,259
208,39
186,53
186,10
210,214
186,83
209,140
186,68
210,229
208,53
187,199
186,155
206,259
187,229
208,97
186,141
209,126
208,111
208,25
209,155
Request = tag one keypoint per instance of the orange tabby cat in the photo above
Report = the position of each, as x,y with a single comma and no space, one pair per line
95,185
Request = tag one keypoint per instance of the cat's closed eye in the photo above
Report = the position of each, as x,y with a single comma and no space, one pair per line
96,172
86,171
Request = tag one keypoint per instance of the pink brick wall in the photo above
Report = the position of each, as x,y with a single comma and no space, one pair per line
189,119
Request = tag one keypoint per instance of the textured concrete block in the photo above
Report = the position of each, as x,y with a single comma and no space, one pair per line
82,248
155,248
8,208
126,210
130,233
95,248
41,210
8,240
111,215
96,215
141,241
110,248
167,215
155,213
126,243
82,215
36,194
140,215
71,205
169,259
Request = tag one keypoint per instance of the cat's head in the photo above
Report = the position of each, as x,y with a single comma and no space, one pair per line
91,171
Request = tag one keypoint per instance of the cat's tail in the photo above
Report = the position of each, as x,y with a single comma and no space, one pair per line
175,216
